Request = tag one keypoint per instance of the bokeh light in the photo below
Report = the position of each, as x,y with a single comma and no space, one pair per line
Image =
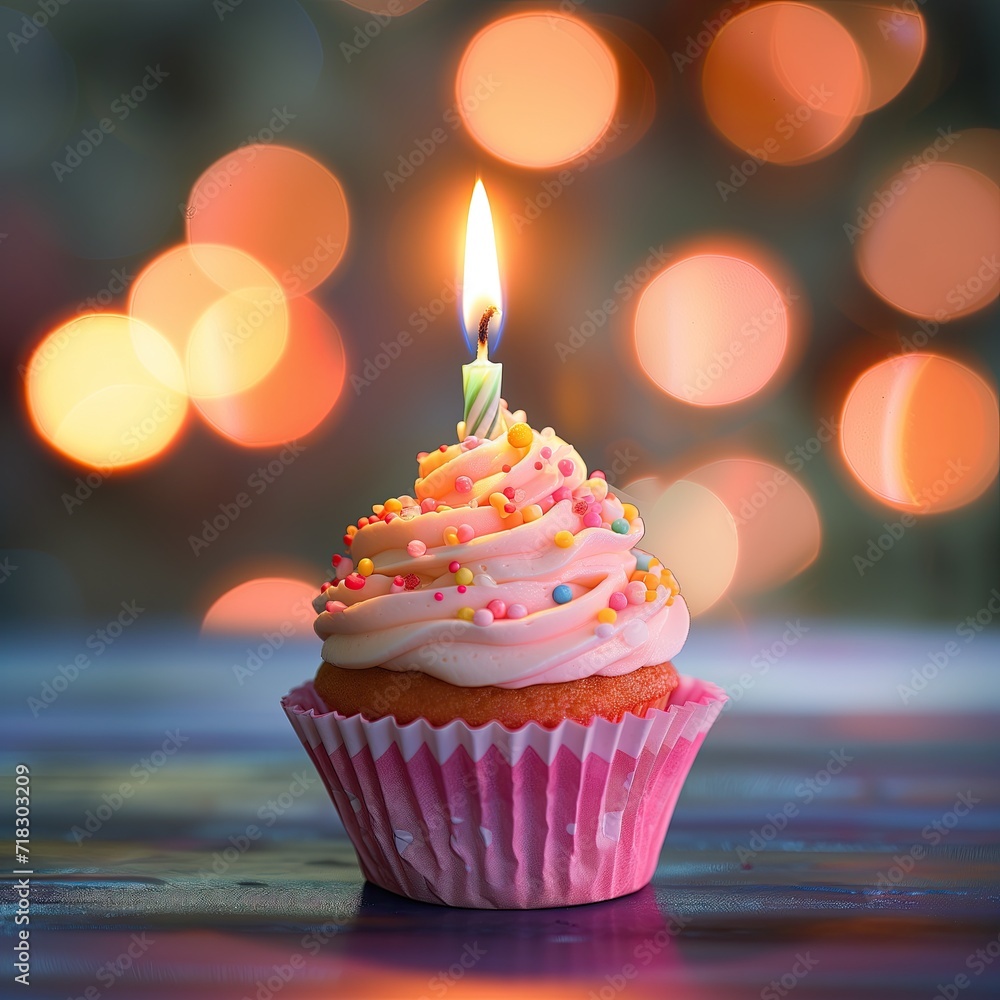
278,204
927,240
295,396
690,530
269,603
93,399
891,37
537,89
225,315
712,329
784,82
920,433
776,519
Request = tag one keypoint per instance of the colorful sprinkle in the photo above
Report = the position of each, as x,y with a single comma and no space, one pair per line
519,436
562,594
354,582
463,576
567,466
592,519
509,508
607,615
498,501
428,504
598,487
505,468
348,539
416,548
539,466
517,611
421,455
650,596
451,536
411,581
636,592
618,601
393,506
344,568
597,474
563,493
454,566
564,539
532,512
651,580
366,567
463,484
442,447
466,614
483,617
604,631
580,507
497,608
325,585
642,559
439,596
378,508
461,588
334,606
546,452
335,560
398,583
508,492
620,525
629,511
466,533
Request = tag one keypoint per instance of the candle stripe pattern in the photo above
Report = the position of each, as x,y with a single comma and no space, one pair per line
482,400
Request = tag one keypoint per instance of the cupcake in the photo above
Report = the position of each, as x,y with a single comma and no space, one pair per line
497,717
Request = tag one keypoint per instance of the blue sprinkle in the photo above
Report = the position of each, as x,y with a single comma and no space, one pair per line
620,525
562,594
642,559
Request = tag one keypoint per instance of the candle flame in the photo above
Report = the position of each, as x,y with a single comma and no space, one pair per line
481,284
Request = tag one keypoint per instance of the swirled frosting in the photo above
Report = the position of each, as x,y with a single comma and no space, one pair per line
508,566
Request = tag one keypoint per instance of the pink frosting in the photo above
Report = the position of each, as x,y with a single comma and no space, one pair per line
384,625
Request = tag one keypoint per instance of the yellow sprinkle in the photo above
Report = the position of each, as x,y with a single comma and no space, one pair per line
650,595
498,501
607,616
352,530
637,576
463,576
564,539
442,506
651,580
451,536
670,601
513,520
393,506
519,436
466,614
377,508
366,567
598,487
532,512
630,512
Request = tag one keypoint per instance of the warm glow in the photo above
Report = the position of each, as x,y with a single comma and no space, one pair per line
920,433
280,205
537,89
711,329
776,519
784,82
296,395
692,533
225,315
481,280
927,238
264,604
93,399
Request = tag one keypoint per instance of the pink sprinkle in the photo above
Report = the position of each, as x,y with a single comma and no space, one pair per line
470,442
597,474
334,606
591,519
483,617
509,508
389,517
355,581
539,466
546,452
566,466
454,566
636,592
519,611
563,493
508,492
335,561
463,484
618,601
421,455
497,608
462,588
440,597
519,496
466,533
442,447
505,468
428,504
324,586
416,548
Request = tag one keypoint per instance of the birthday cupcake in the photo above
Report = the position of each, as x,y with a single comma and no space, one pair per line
496,716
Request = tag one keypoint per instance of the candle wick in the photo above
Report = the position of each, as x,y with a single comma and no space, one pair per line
484,324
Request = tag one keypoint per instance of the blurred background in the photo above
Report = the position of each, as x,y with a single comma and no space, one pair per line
749,258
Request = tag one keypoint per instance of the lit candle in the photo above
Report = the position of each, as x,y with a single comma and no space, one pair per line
481,306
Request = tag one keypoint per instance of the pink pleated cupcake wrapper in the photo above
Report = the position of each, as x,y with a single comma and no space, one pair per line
507,819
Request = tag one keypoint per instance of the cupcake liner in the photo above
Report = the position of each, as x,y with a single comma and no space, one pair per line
497,818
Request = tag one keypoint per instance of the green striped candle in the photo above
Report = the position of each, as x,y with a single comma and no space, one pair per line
481,387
